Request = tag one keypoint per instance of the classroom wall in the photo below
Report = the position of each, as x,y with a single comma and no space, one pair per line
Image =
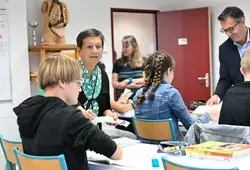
19,64
142,26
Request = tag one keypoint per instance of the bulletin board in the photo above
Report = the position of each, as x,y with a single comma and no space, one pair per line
5,76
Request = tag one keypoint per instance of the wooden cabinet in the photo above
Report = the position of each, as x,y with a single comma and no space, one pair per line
67,49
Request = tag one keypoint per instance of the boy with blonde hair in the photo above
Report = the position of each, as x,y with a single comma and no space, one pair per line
236,104
50,126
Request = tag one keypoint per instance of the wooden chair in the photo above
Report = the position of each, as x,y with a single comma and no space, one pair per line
30,162
154,130
9,156
169,165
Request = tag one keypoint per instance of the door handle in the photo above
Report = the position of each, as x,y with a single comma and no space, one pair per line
206,78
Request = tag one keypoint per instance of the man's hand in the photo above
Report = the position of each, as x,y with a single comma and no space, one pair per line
215,99
214,112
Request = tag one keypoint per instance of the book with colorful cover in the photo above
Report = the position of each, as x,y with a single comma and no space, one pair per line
218,150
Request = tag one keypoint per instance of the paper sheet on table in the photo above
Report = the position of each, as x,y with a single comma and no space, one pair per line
123,141
110,121
200,110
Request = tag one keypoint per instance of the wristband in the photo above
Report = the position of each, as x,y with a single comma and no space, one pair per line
130,80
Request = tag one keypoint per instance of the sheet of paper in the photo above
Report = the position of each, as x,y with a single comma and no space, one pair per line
123,141
110,121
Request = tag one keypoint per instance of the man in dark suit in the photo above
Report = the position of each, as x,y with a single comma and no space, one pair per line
232,21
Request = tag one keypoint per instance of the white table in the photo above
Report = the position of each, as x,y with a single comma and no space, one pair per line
139,156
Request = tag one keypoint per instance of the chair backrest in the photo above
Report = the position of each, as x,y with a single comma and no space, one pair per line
7,146
202,132
154,130
169,165
70,53
30,162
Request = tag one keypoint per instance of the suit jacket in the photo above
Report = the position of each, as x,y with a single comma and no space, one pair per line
229,67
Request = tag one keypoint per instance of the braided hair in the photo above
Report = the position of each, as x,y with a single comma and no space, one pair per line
157,64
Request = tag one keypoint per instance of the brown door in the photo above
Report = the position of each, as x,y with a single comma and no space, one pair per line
185,35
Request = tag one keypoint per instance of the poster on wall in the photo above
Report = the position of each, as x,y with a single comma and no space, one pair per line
5,85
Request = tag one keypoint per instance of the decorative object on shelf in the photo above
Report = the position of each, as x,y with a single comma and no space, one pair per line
55,16
42,41
33,25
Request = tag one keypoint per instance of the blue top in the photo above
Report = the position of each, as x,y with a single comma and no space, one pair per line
168,103
126,72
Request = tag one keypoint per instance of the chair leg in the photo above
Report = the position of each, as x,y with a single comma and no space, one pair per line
10,166
14,167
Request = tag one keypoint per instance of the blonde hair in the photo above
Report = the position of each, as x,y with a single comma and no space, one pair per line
57,67
245,61
137,60
157,64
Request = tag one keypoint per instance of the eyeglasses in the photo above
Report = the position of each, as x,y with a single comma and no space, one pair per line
80,82
230,30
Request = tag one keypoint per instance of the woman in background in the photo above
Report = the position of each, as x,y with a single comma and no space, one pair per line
158,99
128,70
118,106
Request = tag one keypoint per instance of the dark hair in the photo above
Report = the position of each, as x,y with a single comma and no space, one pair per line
156,65
101,65
233,12
91,32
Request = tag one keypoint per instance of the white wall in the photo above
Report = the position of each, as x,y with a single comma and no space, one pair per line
216,7
142,26
19,65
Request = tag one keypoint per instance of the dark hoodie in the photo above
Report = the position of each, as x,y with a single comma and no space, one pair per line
49,127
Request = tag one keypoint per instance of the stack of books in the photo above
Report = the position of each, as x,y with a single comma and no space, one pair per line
218,150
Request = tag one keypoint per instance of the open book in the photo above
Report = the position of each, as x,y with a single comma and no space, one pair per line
96,157
122,142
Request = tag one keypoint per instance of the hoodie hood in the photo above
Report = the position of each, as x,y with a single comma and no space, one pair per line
31,111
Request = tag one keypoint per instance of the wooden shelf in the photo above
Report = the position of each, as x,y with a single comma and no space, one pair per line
51,48
43,49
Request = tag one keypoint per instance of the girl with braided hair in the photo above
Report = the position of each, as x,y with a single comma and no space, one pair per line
158,99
